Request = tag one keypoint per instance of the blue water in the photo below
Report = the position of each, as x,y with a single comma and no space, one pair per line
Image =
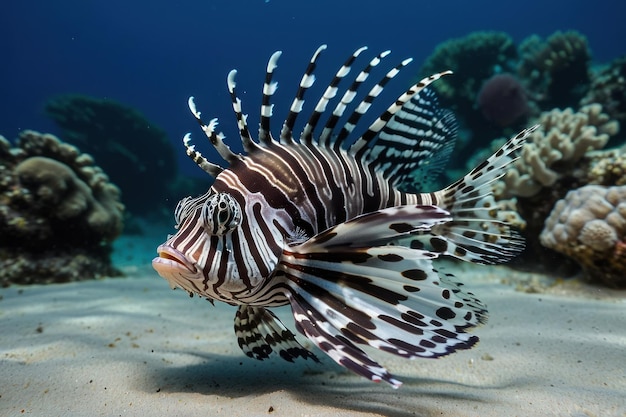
152,55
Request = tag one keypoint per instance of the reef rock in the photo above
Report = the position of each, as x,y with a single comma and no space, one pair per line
607,167
59,213
559,157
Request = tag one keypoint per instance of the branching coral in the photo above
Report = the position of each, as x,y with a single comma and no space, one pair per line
562,139
589,225
556,69
56,207
554,161
564,152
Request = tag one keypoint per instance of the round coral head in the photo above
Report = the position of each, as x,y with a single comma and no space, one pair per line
502,100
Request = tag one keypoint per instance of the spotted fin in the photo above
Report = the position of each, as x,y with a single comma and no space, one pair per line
259,333
347,287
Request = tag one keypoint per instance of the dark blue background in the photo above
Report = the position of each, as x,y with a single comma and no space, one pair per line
154,54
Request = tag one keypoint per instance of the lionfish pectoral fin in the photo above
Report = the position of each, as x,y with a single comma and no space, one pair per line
343,292
378,228
313,324
259,333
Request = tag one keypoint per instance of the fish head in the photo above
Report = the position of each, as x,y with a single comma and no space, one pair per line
213,253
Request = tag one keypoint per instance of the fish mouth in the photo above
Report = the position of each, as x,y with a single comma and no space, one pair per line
172,258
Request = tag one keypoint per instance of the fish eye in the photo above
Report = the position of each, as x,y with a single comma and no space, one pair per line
221,214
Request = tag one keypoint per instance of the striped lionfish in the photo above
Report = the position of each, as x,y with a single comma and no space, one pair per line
336,229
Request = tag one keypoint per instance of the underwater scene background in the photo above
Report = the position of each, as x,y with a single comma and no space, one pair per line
93,112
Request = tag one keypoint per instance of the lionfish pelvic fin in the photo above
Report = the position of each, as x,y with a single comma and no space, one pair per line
259,333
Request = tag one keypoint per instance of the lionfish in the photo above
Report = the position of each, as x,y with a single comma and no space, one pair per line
336,228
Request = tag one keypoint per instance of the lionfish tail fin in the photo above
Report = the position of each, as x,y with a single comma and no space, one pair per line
480,231
347,287
260,333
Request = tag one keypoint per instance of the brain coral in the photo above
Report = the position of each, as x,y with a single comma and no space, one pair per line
562,139
58,212
589,226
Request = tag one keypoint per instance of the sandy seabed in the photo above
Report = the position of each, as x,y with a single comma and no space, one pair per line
131,347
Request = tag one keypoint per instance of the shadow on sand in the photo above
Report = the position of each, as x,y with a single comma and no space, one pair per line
323,384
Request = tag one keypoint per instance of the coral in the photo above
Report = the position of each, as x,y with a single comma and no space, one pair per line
134,152
554,149
589,225
473,59
608,88
555,160
607,167
58,212
476,57
65,196
502,100
557,69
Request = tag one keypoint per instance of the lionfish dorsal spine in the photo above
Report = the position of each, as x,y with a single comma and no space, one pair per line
269,88
360,148
242,124
216,139
331,91
308,78
348,97
367,101
209,167
361,145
